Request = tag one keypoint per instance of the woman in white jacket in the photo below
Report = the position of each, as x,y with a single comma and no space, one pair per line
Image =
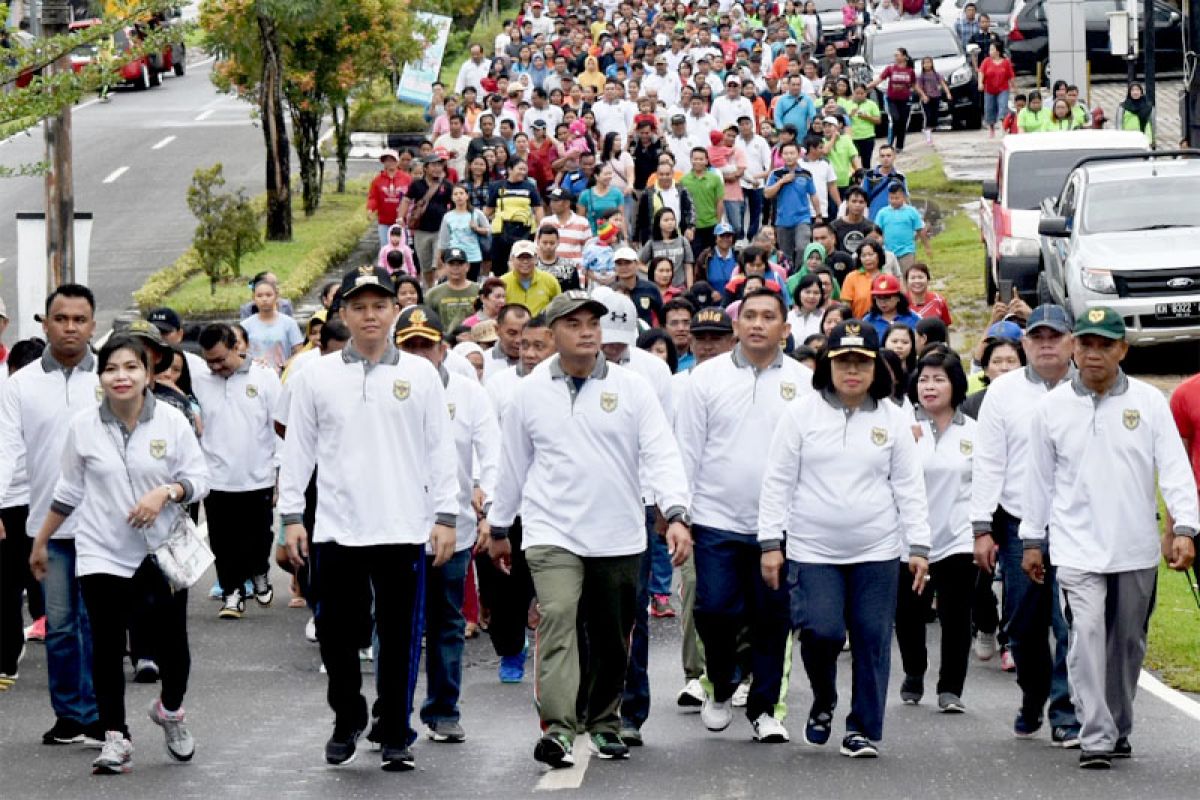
130,466
843,486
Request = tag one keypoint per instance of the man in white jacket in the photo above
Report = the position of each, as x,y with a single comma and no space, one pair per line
1097,443
578,437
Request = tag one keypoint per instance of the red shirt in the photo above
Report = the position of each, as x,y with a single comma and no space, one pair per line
1185,407
900,82
541,160
934,306
996,77
385,195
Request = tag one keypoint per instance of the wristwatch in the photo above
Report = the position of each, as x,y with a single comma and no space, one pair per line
683,518
172,495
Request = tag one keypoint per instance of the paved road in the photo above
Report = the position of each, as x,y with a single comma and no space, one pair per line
256,706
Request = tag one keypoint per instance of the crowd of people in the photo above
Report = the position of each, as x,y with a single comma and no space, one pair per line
646,302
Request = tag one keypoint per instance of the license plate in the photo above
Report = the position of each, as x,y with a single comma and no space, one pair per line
1177,310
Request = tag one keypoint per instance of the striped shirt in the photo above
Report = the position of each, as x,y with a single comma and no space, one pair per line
572,235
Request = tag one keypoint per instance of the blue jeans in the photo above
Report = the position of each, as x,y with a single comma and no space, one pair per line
754,209
661,568
828,600
995,107
730,597
735,212
383,235
68,638
445,628
1031,609
635,700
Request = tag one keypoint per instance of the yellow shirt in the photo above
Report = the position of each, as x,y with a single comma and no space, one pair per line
543,287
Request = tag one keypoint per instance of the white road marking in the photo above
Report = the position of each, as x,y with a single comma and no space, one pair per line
116,173
570,778
205,115
163,143
1168,695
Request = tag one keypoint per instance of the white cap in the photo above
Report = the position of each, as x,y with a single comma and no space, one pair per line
619,325
831,121
625,254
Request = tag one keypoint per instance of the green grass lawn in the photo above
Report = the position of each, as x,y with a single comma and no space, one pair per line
1174,650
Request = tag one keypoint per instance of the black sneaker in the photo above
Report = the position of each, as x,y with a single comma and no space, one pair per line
912,689
145,671
1122,749
1065,736
819,727
374,736
65,731
855,745
94,735
1095,760
631,736
398,759
555,751
1026,728
608,745
341,745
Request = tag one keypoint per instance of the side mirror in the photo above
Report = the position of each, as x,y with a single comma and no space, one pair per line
1054,226
991,190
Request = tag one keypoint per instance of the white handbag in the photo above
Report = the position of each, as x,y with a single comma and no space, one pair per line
183,557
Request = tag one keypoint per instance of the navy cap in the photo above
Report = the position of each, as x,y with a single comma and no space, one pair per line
165,319
365,278
454,254
853,336
419,321
1050,316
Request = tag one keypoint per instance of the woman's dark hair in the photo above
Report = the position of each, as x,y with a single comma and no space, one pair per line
330,289
701,295
897,372
606,150
949,361
910,363
902,306
24,352
990,350
333,330
656,226
875,247
809,279
816,342
122,342
400,280
846,311
647,339
934,330
488,285
881,382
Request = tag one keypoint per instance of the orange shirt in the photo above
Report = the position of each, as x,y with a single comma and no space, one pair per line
856,291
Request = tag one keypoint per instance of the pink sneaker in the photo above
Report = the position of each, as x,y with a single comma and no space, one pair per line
37,631
1006,661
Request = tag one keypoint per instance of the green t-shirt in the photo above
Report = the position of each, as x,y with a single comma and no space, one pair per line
1032,121
842,156
707,191
860,128
452,305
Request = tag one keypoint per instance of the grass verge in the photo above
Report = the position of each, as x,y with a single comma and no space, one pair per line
319,243
1174,644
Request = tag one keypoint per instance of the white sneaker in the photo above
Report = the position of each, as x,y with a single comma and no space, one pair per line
116,756
180,745
366,655
310,629
716,716
985,646
692,695
769,730
741,694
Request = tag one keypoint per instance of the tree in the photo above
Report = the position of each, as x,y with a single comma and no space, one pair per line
228,229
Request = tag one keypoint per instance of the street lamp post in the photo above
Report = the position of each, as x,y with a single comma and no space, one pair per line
60,184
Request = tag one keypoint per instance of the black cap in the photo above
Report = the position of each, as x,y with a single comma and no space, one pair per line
367,278
853,336
711,320
165,319
418,321
454,254
559,193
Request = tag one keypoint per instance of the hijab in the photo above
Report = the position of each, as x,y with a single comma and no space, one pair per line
1140,108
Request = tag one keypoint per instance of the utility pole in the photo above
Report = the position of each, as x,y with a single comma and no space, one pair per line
60,184
1148,48
1191,102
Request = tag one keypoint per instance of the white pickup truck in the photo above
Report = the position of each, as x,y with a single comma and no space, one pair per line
1123,233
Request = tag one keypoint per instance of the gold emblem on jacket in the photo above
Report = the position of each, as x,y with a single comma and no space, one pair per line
787,391
1132,418
158,448
251,391
452,408
401,390
99,394
966,447
608,401
879,436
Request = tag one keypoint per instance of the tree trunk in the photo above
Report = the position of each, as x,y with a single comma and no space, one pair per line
279,192
341,138
306,131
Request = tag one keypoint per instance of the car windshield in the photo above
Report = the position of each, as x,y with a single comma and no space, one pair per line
991,7
1145,204
935,42
825,6
1038,174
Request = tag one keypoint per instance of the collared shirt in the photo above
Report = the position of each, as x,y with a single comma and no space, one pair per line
542,287
239,436
477,445
36,407
1090,475
570,460
107,469
726,416
945,458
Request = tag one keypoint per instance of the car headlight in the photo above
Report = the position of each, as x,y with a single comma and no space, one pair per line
1098,280
1014,247
960,76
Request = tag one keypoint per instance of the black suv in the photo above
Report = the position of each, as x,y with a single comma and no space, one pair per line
1029,42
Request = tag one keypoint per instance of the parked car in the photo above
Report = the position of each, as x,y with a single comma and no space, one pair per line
146,70
1028,39
833,31
1030,168
85,54
1122,233
999,11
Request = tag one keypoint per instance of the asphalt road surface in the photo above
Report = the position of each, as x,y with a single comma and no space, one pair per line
256,707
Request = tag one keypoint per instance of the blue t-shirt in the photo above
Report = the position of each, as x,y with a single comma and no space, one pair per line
881,325
900,226
792,206
720,269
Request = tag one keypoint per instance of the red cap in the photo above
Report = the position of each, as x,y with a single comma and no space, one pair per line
884,285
